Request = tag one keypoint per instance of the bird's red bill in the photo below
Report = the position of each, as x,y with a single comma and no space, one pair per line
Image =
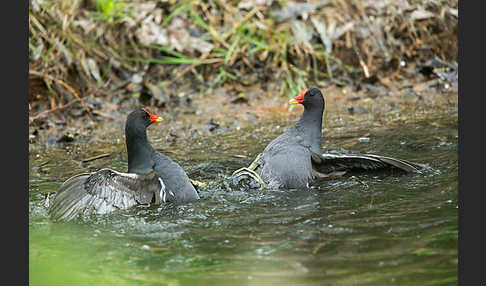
153,118
299,98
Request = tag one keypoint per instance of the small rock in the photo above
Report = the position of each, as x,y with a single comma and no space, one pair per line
51,140
354,110
211,125
137,78
354,98
196,33
67,137
364,139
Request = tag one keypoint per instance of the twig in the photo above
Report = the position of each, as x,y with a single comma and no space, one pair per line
96,157
65,85
102,114
59,107
239,156
235,27
38,25
361,62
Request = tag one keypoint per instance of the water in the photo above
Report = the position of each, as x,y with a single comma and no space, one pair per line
400,230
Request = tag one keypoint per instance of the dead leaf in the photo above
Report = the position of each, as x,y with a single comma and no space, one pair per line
302,34
420,15
65,52
323,34
454,12
292,10
137,78
181,40
150,33
86,24
93,68
82,60
330,32
247,5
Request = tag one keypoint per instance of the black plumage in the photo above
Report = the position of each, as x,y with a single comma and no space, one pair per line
152,178
294,159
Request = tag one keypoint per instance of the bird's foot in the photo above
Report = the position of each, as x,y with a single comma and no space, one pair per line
197,184
255,163
247,172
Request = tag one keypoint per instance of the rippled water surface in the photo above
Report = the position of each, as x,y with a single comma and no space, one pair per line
370,230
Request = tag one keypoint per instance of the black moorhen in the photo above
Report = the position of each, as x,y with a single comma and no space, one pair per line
294,159
151,178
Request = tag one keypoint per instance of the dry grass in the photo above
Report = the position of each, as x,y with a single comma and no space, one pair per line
109,47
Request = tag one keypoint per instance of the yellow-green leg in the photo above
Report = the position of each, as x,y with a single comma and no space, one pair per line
250,171
198,183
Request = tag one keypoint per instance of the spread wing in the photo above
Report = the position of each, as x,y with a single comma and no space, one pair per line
102,192
326,164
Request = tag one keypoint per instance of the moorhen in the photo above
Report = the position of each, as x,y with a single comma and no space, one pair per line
152,178
294,159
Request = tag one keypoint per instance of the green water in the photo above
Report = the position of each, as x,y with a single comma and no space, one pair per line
400,230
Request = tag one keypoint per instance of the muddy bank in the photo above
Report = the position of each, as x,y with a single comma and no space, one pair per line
196,115
210,66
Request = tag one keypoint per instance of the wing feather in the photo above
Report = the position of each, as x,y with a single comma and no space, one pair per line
327,163
102,192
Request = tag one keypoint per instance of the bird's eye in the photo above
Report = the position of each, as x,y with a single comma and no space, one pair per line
146,114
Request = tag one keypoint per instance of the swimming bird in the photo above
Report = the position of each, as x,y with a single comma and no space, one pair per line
152,178
295,159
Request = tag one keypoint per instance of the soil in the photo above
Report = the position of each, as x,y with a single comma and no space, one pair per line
191,114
